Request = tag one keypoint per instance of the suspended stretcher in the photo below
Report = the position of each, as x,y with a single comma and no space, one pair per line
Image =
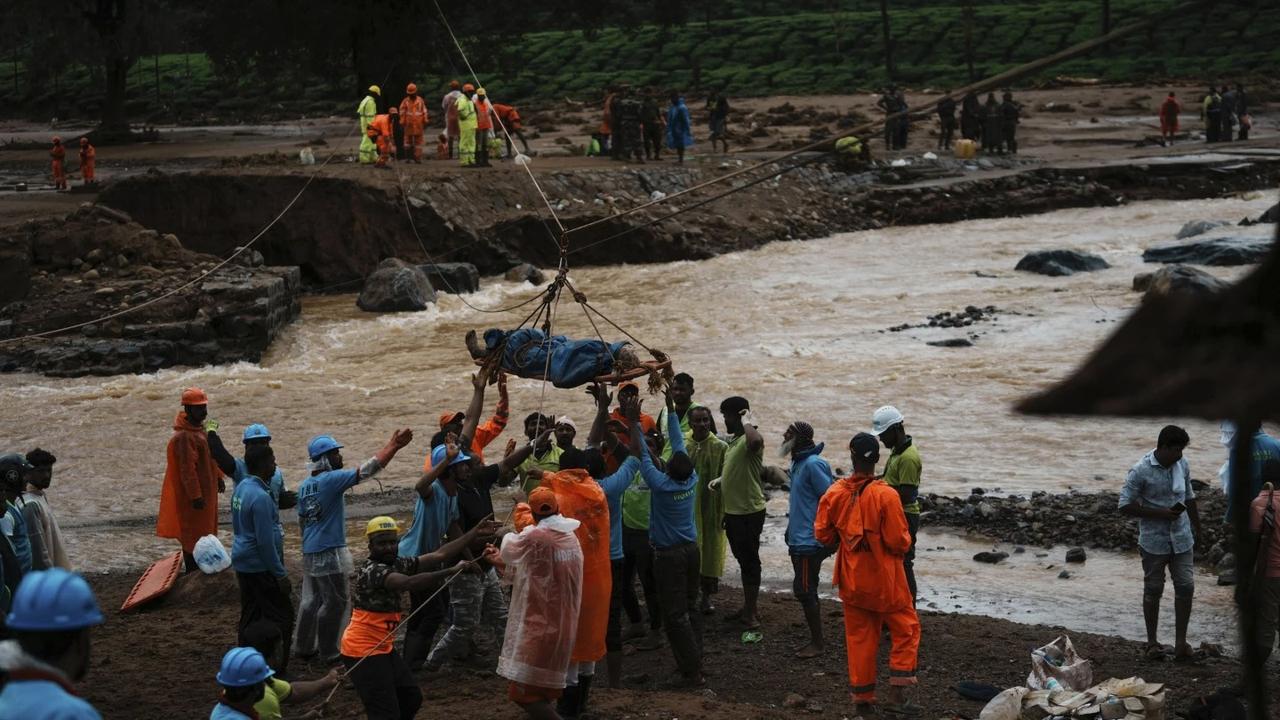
658,367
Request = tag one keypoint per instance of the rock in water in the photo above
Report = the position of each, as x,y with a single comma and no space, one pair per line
991,557
1177,279
1272,215
1076,555
1218,251
1199,227
453,277
1058,263
396,286
951,343
525,273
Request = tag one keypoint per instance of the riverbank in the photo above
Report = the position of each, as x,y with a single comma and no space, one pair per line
195,628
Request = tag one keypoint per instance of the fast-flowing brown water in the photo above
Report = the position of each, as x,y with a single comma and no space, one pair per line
799,328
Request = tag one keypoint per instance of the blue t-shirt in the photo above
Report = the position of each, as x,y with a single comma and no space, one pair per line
672,503
14,527
42,700
258,543
275,487
431,520
810,478
322,509
614,486
226,712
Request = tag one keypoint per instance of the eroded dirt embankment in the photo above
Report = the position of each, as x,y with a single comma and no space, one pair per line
351,218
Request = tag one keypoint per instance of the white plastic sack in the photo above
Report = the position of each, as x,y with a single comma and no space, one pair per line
211,555
930,156
1059,660
306,157
1005,706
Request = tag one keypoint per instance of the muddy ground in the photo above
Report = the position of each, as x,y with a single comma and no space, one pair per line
173,650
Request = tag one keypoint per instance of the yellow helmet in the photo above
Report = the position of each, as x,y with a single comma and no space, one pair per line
375,89
382,523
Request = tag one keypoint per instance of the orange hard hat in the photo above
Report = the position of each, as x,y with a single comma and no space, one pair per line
449,416
543,502
411,89
194,396
84,141
468,88
57,140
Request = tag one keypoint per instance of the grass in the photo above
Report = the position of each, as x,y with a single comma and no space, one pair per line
752,48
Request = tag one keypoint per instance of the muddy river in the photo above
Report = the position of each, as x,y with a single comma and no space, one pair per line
799,328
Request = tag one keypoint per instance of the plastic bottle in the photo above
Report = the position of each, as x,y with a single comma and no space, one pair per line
1052,684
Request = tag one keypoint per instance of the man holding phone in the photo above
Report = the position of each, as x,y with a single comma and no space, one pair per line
1158,492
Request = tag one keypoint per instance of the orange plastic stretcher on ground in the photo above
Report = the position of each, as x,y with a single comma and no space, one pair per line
155,581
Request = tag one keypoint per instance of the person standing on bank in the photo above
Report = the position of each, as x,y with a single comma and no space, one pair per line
902,473
811,476
743,501
1158,493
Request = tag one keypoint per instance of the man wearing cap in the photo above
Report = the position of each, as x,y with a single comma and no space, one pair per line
902,473
543,562
682,401
484,127
47,548
367,111
810,478
381,676
466,111
192,480
242,681
52,613
413,113
545,456
862,518
257,551
326,561
743,500
452,421
13,524
565,431
255,434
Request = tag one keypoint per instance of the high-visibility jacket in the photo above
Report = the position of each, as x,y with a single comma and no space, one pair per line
380,127
190,474
366,111
466,114
864,517
484,120
413,115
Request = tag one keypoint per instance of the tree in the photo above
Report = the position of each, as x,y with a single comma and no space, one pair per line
119,27
888,38
967,13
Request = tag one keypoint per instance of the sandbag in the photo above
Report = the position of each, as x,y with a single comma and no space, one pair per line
211,555
1058,660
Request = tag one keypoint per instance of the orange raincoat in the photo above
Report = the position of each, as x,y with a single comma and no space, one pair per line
864,517
380,133
190,474
59,154
509,116
414,118
88,155
581,498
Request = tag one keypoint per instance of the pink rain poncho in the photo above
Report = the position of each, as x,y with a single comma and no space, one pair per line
545,563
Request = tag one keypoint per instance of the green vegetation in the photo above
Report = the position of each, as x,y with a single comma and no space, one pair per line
745,47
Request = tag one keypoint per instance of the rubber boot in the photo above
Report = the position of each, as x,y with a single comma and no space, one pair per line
567,705
584,692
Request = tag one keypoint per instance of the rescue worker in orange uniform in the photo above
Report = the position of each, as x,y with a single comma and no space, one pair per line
510,119
484,127
414,117
87,156
382,133
59,154
192,480
864,517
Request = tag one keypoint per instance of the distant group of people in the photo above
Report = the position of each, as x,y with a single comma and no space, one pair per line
1225,115
634,126
993,126
469,122
58,158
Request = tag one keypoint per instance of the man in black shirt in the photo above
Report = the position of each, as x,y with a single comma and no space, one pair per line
947,117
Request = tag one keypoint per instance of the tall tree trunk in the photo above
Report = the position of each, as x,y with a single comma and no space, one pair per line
968,39
1106,22
114,120
888,38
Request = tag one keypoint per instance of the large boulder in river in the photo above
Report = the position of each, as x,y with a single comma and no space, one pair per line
453,277
1177,279
525,273
1057,263
1218,251
1199,227
396,286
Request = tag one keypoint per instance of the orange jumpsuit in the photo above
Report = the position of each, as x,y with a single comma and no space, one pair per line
380,133
190,474
87,156
414,118
58,153
582,499
864,515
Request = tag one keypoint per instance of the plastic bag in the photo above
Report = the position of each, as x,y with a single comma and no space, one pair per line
1058,660
1005,706
211,555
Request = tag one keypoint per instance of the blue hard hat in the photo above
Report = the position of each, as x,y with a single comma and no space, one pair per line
438,453
321,444
52,600
242,667
256,431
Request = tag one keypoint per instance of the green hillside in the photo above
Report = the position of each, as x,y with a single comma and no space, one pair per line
744,47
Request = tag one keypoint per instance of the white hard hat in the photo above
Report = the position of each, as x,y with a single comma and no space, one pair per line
1227,433
885,418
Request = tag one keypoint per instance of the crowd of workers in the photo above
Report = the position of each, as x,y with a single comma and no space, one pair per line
58,159
661,500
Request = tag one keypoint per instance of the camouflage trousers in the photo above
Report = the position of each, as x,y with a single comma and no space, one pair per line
473,600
